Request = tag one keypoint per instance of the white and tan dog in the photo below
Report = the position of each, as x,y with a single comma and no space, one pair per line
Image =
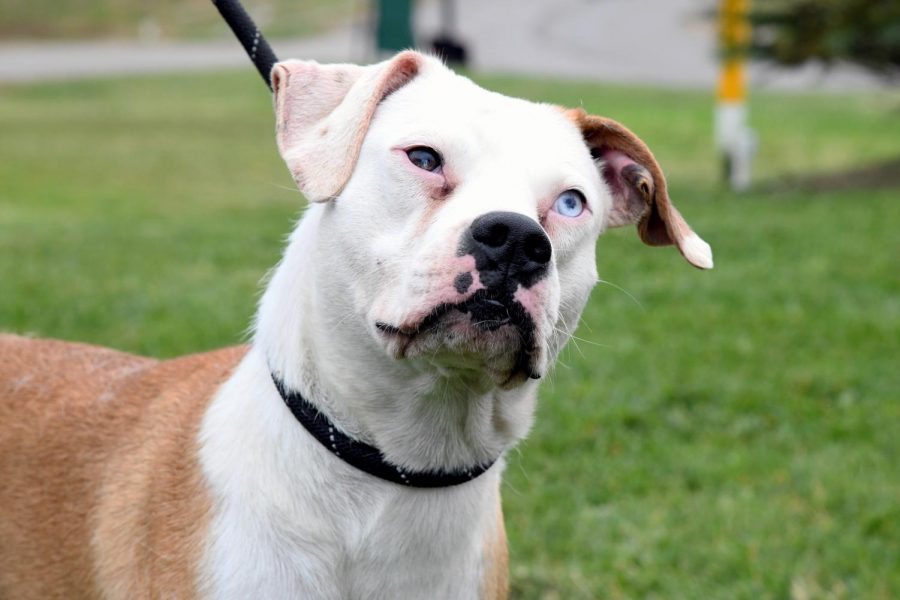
442,265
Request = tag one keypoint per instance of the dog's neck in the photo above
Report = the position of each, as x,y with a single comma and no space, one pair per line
419,418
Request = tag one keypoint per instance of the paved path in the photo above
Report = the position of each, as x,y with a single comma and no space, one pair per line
665,42
46,61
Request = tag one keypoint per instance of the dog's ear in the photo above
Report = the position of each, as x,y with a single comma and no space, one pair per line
322,113
639,188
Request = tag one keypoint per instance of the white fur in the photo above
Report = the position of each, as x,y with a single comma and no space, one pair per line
290,520
697,251
294,521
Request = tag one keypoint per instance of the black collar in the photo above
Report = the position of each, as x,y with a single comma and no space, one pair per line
363,456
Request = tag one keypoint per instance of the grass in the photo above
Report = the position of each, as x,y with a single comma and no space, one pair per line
167,19
730,434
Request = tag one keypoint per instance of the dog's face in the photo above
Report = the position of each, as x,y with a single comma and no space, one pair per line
465,221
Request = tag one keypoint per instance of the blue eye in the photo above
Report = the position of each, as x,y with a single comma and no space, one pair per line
569,204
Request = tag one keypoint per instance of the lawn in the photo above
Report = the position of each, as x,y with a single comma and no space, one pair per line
166,19
726,434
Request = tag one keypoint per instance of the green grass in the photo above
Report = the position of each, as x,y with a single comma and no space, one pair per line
167,19
730,434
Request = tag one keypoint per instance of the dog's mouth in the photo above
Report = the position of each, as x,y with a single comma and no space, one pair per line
489,330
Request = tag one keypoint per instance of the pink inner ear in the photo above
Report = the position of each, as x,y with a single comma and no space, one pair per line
629,204
613,164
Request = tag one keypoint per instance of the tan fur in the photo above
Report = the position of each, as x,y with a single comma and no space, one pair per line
496,576
101,492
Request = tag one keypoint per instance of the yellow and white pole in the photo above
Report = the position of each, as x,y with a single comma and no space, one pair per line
734,138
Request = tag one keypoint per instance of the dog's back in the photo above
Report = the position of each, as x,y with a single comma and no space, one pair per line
99,470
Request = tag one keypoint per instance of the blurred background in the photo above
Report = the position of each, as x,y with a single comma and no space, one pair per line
723,434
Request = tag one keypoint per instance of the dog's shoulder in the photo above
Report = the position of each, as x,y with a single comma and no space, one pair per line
116,433
36,374
157,467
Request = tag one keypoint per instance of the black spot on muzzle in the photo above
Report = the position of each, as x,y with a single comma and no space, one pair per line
510,250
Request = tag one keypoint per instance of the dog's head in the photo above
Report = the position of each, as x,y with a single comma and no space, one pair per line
464,221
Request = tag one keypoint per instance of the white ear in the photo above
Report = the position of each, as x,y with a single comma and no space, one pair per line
639,188
322,113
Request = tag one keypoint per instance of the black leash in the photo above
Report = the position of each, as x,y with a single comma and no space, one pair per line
249,36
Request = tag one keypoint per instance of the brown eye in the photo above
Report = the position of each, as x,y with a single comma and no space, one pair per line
425,158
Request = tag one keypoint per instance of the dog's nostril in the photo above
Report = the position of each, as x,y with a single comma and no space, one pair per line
537,248
491,234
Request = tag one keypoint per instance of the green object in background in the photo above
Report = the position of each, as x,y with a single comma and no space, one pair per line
393,30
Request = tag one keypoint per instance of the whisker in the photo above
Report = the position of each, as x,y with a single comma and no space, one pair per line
284,187
624,291
574,337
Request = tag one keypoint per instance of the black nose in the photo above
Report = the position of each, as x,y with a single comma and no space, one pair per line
510,247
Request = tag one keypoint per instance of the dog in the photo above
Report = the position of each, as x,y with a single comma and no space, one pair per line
354,448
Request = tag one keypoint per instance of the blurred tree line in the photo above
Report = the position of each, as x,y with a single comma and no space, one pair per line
866,32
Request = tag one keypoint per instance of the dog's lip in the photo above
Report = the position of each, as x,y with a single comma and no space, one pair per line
389,329
494,314
410,331
439,311
521,371
403,337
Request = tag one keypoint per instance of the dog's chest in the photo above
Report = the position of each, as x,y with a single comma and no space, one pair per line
290,520
337,546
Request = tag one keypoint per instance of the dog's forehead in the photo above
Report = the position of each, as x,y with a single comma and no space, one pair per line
442,106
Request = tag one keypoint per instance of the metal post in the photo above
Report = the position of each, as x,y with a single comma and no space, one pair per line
734,138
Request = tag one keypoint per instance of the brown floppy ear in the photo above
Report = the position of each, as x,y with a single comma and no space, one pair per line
639,188
322,113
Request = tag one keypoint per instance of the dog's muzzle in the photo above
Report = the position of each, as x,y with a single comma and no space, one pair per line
496,316
510,250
